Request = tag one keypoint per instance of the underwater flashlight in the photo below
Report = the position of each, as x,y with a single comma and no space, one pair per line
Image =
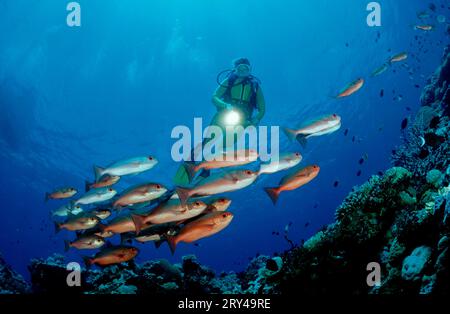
232,117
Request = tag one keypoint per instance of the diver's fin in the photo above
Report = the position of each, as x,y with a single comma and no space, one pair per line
183,194
273,193
139,222
290,133
181,177
302,140
98,171
66,245
87,186
172,244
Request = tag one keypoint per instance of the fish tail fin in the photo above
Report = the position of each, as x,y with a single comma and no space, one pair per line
302,140
290,133
183,194
98,171
139,222
273,193
88,261
124,239
158,243
191,169
66,245
47,196
102,227
87,186
172,244
71,206
57,227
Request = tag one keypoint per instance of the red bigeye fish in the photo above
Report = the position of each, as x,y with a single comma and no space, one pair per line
140,194
203,227
170,211
112,255
318,127
293,181
351,88
61,194
218,183
425,28
125,167
85,243
76,223
223,160
104,181
285,162
96,196
399,57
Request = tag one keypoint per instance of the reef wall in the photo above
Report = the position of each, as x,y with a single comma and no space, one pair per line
398,219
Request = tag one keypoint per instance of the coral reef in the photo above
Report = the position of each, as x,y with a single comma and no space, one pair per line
10,281
155,277
398,219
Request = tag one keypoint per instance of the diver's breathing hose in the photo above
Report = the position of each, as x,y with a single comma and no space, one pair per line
229,71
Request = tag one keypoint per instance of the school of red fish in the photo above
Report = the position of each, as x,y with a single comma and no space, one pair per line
156,213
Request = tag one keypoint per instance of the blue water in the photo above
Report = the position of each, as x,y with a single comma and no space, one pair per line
115,87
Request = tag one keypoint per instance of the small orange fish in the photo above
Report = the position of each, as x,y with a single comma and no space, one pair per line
399,57
351,88
61,194
112,255
293,181
119,225
426,28
203,227
105,181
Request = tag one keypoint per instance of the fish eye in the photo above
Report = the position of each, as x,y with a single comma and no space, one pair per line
334,115
158,186
197,203
150,158
297,154
224,215
248,172
110,189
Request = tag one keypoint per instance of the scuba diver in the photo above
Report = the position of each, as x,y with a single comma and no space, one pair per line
236,98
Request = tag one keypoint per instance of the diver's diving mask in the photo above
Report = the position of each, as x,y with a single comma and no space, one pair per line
243,70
